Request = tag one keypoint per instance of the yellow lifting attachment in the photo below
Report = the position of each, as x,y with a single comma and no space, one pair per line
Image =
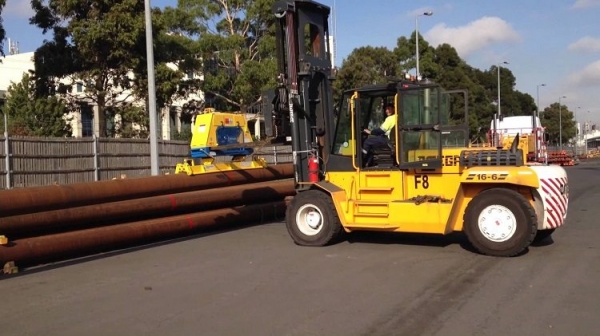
221,141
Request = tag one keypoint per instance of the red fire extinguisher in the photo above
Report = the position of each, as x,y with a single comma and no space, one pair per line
313,169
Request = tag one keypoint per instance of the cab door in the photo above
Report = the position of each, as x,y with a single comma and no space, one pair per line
376,187
420,158
420,145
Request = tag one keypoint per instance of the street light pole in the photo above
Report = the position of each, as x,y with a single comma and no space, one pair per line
585,135
537,128
560,121
151,91
538,100
499,108
578,130
430,13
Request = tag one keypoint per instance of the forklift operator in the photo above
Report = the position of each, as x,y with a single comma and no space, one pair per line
380,134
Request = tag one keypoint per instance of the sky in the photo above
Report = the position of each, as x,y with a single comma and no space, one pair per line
551,42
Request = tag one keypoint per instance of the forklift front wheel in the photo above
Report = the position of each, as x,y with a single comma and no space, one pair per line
500,222
312,220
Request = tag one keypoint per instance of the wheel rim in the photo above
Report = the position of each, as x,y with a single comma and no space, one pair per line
497,223
309,220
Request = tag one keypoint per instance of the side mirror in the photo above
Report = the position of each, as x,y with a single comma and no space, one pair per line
546,137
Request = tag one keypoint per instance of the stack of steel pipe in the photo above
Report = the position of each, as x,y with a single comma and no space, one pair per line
51,223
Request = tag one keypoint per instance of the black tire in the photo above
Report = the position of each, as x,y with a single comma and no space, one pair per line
542,235
512,239
305,205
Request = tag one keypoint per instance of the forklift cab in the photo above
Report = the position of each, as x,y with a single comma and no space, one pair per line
422,128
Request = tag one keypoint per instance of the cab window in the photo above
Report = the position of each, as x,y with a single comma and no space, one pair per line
343,135
372,112
420,112
370,115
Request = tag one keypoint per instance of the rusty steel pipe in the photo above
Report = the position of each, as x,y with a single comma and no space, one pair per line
27,225
44,198
62,246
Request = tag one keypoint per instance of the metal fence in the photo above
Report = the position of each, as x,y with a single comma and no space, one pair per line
28,162
571,150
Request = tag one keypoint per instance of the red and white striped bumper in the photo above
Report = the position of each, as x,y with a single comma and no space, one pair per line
556,200
554,193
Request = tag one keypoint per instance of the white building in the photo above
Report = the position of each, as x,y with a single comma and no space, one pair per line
12,69
85,122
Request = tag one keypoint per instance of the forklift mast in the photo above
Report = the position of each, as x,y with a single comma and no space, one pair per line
302,103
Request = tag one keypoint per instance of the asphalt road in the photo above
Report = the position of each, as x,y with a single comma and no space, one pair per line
255,281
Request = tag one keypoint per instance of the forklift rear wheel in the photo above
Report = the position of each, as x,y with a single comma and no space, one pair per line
500,222
312,220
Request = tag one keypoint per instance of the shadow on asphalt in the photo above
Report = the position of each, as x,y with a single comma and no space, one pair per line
546,242
411,239
361,237
372,237
428,240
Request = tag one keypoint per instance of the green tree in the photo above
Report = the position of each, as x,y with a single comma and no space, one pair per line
133,122
444,66
101,47
29,115
236,43
452,73
405,52
171,48
184,135
551,121
507,84
364,66
523,103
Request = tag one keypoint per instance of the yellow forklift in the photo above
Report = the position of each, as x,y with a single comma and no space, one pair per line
420,181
